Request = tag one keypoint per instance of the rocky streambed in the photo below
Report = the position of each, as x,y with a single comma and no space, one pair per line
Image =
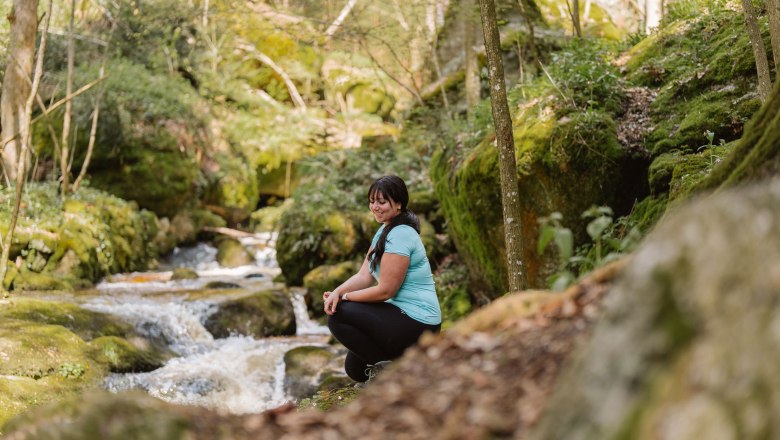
227,339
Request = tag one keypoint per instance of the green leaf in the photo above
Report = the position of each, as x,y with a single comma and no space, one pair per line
565,242
597,226
545,236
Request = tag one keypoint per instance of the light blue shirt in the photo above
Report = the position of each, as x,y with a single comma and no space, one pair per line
417,295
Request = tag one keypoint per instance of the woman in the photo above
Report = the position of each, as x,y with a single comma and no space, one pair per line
377,322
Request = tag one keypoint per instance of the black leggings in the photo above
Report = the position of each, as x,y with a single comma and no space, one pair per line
373,332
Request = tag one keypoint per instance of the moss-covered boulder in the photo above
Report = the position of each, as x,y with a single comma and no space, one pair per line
565,164
122,356
231,253
65,243
265,313
687,347
325,278
85,323
183,273
307,367
106,416
307,240
705,71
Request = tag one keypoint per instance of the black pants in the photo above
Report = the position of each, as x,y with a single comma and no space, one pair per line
374,332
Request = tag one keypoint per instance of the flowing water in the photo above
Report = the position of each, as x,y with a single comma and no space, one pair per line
238,374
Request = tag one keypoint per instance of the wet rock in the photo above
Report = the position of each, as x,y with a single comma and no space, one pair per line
221,285
84,323
231,253
265,313
183,273
688,345
122,356
308,367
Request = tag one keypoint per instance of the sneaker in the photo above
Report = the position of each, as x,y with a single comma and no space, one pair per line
373,370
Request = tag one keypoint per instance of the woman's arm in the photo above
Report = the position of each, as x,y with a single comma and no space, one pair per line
391,277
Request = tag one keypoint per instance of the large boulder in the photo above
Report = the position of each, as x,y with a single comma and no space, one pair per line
262,314
688,345
565,165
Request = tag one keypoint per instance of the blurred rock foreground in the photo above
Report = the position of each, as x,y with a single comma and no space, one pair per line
683,346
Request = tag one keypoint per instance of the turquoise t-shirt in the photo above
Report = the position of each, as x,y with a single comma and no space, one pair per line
417,294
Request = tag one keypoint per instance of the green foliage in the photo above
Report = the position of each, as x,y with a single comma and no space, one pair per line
585,79
609,241
452,288
71,371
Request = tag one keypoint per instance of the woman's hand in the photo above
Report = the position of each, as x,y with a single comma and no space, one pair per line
331,302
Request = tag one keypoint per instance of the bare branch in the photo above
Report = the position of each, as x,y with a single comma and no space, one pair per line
340,19
265,59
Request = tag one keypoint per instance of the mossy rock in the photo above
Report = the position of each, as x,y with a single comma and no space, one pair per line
325,278
221,285
106,416
265,313
271,182
231,253
85,323
565,164
183,273
307,240
303,367
121,356
688,334
36,351
29,280
18,394
330,399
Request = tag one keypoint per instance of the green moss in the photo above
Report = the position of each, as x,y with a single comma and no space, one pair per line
184,273
85,323
265,313
231,253
452,288
306,360
330,399
646,213
692,169
123,357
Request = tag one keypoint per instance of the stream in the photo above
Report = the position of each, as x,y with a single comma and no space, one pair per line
238,374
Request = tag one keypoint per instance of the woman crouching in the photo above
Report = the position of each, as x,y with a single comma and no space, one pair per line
378,321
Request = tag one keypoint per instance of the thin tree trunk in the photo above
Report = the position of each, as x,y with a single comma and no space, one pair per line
340,19
16,82
574,13
759,51
67,118
531,28
472,66
437,69
24,140
506,148
773,10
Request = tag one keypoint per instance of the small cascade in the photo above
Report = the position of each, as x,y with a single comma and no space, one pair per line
238,374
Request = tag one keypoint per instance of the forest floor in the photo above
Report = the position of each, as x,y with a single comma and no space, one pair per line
489,376
636,123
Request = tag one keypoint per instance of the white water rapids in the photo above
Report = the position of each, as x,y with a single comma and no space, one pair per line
237,374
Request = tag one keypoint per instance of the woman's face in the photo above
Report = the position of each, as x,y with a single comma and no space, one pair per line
383,208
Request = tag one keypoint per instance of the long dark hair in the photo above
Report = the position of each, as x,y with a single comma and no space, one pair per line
392,188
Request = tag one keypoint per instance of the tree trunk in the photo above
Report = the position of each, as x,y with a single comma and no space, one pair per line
16,82
653,13
574,12
773,10
506,148
762,65
757,155
472,65
24,140
68,116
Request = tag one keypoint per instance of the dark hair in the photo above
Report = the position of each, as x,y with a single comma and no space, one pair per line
393,188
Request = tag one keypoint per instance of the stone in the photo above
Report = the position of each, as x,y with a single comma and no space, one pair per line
262,314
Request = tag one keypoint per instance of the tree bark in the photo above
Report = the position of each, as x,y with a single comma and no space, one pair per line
574,12
506,148
16,82
68,116
24,140
340,19
472,85
773,10
759,51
